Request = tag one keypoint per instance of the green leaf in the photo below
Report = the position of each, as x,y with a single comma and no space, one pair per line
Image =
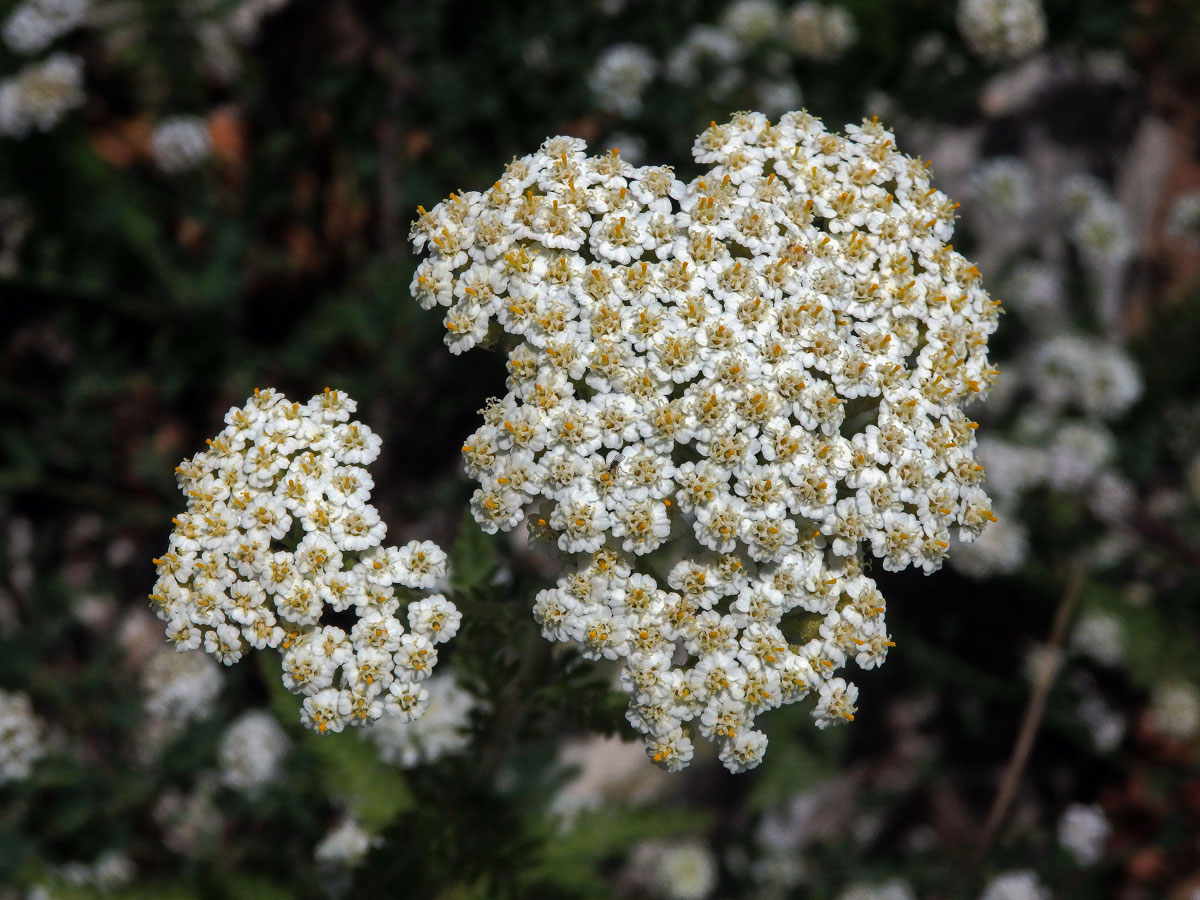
473,558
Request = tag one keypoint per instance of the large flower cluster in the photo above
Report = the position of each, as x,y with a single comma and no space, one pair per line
721,393
279,537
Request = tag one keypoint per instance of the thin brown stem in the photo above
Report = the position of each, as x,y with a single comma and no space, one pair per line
1032,720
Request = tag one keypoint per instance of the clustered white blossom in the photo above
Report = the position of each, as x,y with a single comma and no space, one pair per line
180,143
279,536
21,743
442,731
759,374
252,752
39,95
1002,31
35,24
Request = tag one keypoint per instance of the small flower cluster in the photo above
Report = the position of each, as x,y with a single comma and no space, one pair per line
758,374
38,96
36,24
180,143
1002,31
278,535
20,737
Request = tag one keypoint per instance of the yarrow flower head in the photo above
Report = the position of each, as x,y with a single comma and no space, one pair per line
278,537
723,395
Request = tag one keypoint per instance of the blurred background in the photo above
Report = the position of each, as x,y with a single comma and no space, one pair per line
198,197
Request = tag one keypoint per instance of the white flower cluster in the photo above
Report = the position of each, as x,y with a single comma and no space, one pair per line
821,32
278,536
38,96
180,143
20,737
440,732
1002,31
757,374
35,24
252,752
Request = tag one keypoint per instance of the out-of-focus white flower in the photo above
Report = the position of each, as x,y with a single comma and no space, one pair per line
252,752
21,744
703,49
821,32
35,24
1175,709
38,96
1105,725
180,687
1019,885
1083,831
1183,220
440,731
1002,31
1004,188
1035,290
346,845
1079,451
751,22
180,143
621,75
892,889
191,823
1092,375
675,871
1100,636
687,871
